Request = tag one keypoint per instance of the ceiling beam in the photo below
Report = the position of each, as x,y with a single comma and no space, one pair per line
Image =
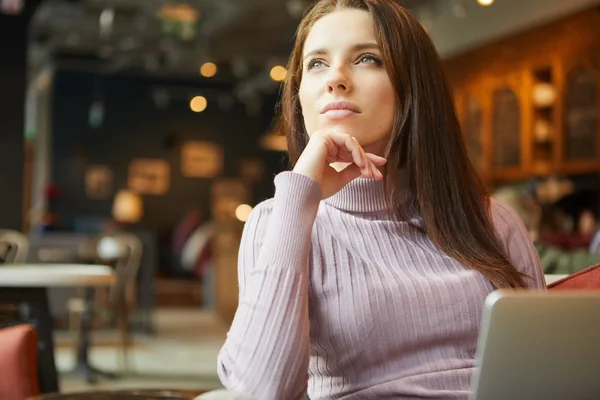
482,25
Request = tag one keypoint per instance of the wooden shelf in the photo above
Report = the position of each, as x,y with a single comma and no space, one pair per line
547,83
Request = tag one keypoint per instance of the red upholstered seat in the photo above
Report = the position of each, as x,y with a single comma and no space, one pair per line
18,363
586,279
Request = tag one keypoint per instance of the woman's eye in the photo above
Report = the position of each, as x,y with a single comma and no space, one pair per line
314,64
369,60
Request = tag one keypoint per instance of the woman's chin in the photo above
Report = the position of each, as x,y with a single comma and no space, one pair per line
341,126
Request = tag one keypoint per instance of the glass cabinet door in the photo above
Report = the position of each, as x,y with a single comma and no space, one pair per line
506,129
580,139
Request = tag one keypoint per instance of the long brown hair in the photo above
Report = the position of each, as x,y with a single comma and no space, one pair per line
426,140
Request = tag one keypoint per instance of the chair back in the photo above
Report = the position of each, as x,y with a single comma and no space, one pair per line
595,243
117,395
124,251
18,363
14,247
586,279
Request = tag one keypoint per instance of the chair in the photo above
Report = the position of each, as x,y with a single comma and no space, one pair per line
586,279
118,395
18,363
124,252
595,243
14,247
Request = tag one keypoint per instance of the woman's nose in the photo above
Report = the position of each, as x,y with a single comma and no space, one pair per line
338,81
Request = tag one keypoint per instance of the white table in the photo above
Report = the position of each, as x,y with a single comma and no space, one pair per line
551,278
28,283
55,275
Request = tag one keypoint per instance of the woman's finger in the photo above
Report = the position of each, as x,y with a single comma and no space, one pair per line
375,159
367,164
358,156
349,150
377,173
347,144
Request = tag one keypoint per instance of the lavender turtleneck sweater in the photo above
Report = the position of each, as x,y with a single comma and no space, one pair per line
334,295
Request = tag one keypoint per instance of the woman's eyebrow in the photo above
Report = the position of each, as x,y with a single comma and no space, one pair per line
356,47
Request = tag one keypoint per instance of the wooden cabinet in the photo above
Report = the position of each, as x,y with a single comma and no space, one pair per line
539,93
508,125
539,121
544,112
580,144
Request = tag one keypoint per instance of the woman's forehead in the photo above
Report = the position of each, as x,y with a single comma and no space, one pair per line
341,29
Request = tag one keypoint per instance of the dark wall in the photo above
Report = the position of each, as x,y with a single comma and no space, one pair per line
13,67
134,127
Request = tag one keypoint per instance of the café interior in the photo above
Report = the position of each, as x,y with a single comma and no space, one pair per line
138,135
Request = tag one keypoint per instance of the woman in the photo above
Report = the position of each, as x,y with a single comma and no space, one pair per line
365,276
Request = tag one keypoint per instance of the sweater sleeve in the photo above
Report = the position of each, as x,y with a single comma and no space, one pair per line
517,244
266,352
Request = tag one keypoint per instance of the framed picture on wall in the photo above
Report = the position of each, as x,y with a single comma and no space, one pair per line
201,159
98,182
149,176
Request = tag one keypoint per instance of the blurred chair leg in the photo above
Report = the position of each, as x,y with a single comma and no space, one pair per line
74,323
75,308
123,322
74,331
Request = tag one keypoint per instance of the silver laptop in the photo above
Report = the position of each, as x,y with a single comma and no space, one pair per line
539,346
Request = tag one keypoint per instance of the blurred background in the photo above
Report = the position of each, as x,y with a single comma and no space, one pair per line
140,133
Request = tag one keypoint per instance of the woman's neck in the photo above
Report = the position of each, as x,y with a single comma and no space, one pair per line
367,195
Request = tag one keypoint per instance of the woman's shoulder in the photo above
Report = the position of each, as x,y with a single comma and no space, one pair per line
265,205
500,209
504,218
257,222
261,210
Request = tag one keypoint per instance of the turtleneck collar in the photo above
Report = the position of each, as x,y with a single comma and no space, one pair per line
364,195
360,195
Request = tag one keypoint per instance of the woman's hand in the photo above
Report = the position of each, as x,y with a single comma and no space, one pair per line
325,148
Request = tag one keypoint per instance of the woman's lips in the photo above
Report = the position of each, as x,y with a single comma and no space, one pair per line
339,114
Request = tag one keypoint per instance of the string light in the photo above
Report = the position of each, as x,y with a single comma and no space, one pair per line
208,70
278,73
242,212
198,104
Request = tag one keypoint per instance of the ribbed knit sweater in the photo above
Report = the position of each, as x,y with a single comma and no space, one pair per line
338,295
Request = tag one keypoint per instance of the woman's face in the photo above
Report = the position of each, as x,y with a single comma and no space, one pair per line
345,87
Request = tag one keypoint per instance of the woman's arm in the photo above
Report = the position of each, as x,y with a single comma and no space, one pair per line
267,348
518,244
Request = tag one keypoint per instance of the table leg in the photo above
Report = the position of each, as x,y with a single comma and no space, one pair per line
37,298
83,346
